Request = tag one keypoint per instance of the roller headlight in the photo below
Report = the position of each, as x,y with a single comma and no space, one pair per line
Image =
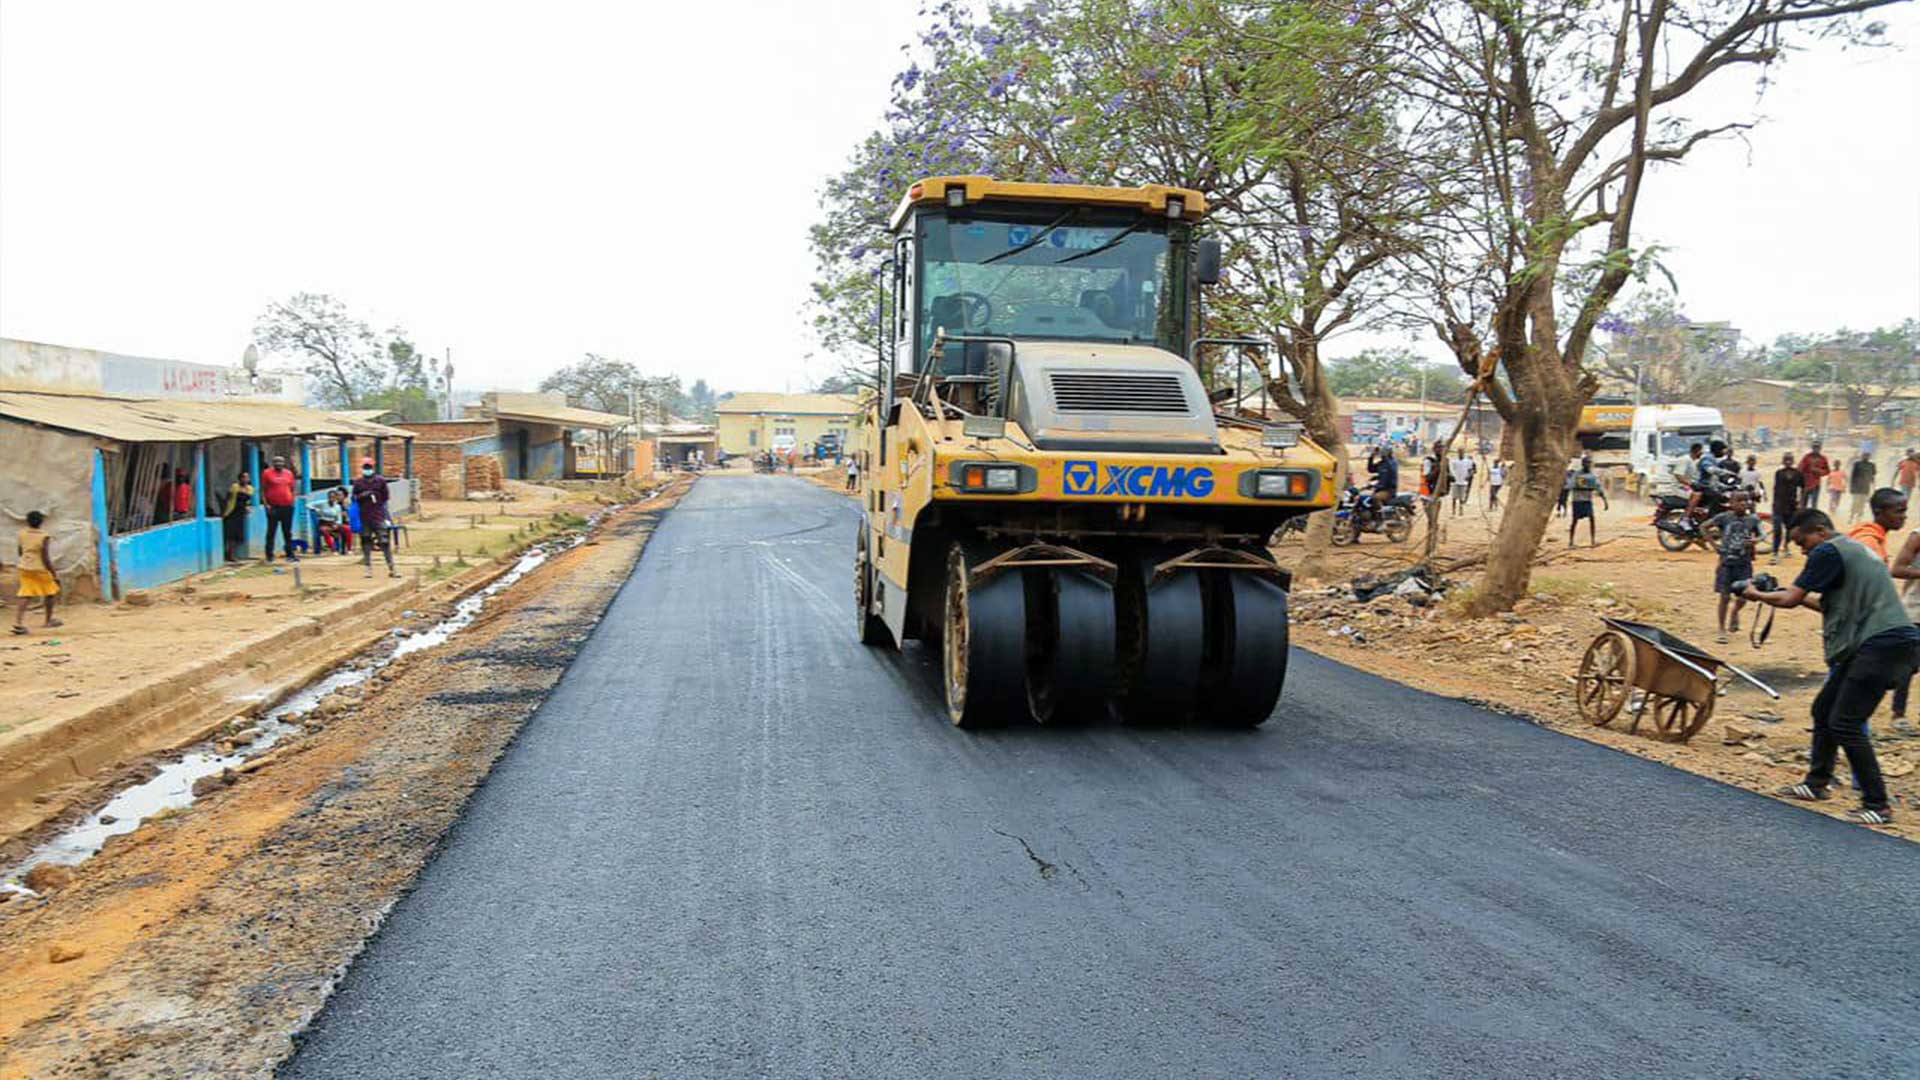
984,478
1279,484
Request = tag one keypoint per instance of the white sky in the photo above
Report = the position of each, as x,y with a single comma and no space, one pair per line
527,183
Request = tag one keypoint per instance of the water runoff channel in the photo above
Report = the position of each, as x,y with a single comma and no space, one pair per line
172,787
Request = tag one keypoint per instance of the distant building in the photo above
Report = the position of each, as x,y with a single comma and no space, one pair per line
677,441
752,423
1392,420
512,436
64,369
1792,409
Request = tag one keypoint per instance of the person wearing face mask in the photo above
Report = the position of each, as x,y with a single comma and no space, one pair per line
370,495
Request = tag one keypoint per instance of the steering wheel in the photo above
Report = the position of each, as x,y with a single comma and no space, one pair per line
976,310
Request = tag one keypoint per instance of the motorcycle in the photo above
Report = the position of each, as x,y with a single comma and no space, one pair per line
1392,518
1678,530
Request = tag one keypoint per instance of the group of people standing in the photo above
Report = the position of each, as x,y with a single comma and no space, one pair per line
348,511
1799,485
1461,472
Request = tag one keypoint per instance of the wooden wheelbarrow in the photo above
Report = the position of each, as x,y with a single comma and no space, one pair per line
1678,682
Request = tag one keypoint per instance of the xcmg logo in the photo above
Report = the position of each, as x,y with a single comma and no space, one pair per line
1140,481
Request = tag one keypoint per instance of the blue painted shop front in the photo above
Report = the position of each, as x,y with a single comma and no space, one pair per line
165,553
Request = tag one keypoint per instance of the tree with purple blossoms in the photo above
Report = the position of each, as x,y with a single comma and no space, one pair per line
1560,111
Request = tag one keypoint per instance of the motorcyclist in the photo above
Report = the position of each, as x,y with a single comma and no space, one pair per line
1716,473
1386,484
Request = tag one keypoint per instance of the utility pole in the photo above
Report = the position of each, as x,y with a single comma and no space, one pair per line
1420,425
1833,378
447,374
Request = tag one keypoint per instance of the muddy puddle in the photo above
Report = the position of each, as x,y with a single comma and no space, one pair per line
171,788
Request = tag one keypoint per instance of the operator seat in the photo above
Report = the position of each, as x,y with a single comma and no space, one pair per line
1102,304
947,313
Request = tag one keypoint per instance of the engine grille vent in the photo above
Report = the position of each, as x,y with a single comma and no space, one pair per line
1084,392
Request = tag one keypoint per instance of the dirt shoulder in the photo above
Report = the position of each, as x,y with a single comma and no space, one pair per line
203,941
1524,662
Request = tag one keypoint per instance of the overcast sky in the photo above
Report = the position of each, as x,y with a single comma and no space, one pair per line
525,184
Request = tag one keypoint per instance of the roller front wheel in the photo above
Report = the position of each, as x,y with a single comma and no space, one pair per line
983,645
873,629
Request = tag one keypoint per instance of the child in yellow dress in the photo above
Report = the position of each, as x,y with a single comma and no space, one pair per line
37,575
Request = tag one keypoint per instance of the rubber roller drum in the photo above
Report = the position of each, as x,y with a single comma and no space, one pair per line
1248,650
1162,636
1070,645
983,647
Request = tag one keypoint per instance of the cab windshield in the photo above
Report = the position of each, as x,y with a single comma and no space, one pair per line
1676,442
1059,274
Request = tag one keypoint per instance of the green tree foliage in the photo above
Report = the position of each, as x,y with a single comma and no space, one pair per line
1669,357
1859,371
601,383
1395,373
611,385
406,403
341,355
701,401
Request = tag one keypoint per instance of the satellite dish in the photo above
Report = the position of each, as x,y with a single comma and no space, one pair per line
250,360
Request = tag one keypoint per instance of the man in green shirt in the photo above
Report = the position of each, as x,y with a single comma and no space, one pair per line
1871,647
1581,486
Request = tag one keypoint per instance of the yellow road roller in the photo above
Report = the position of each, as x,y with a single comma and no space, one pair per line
1049,492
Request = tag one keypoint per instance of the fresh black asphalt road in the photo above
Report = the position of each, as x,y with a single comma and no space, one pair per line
735,843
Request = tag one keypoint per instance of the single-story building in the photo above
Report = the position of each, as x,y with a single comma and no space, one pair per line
509,436
753,423
676,442
1792,408
103,469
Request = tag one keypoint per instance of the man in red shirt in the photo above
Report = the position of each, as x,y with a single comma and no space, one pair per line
182,495
277,486
1814,468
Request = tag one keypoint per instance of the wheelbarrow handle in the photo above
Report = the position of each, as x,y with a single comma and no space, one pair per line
1770,691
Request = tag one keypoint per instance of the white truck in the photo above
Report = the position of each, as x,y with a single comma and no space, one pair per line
1660,438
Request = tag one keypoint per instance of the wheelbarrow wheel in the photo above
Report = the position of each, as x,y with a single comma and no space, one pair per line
1678,718
1606,678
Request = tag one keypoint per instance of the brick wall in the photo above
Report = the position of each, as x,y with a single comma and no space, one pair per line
453,430
430,464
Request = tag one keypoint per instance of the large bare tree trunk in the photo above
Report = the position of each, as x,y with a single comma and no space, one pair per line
1542,426
1321,419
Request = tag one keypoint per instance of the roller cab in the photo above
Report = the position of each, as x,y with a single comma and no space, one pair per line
1049,494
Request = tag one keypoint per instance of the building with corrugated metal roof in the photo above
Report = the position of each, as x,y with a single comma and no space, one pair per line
516,436
103,466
